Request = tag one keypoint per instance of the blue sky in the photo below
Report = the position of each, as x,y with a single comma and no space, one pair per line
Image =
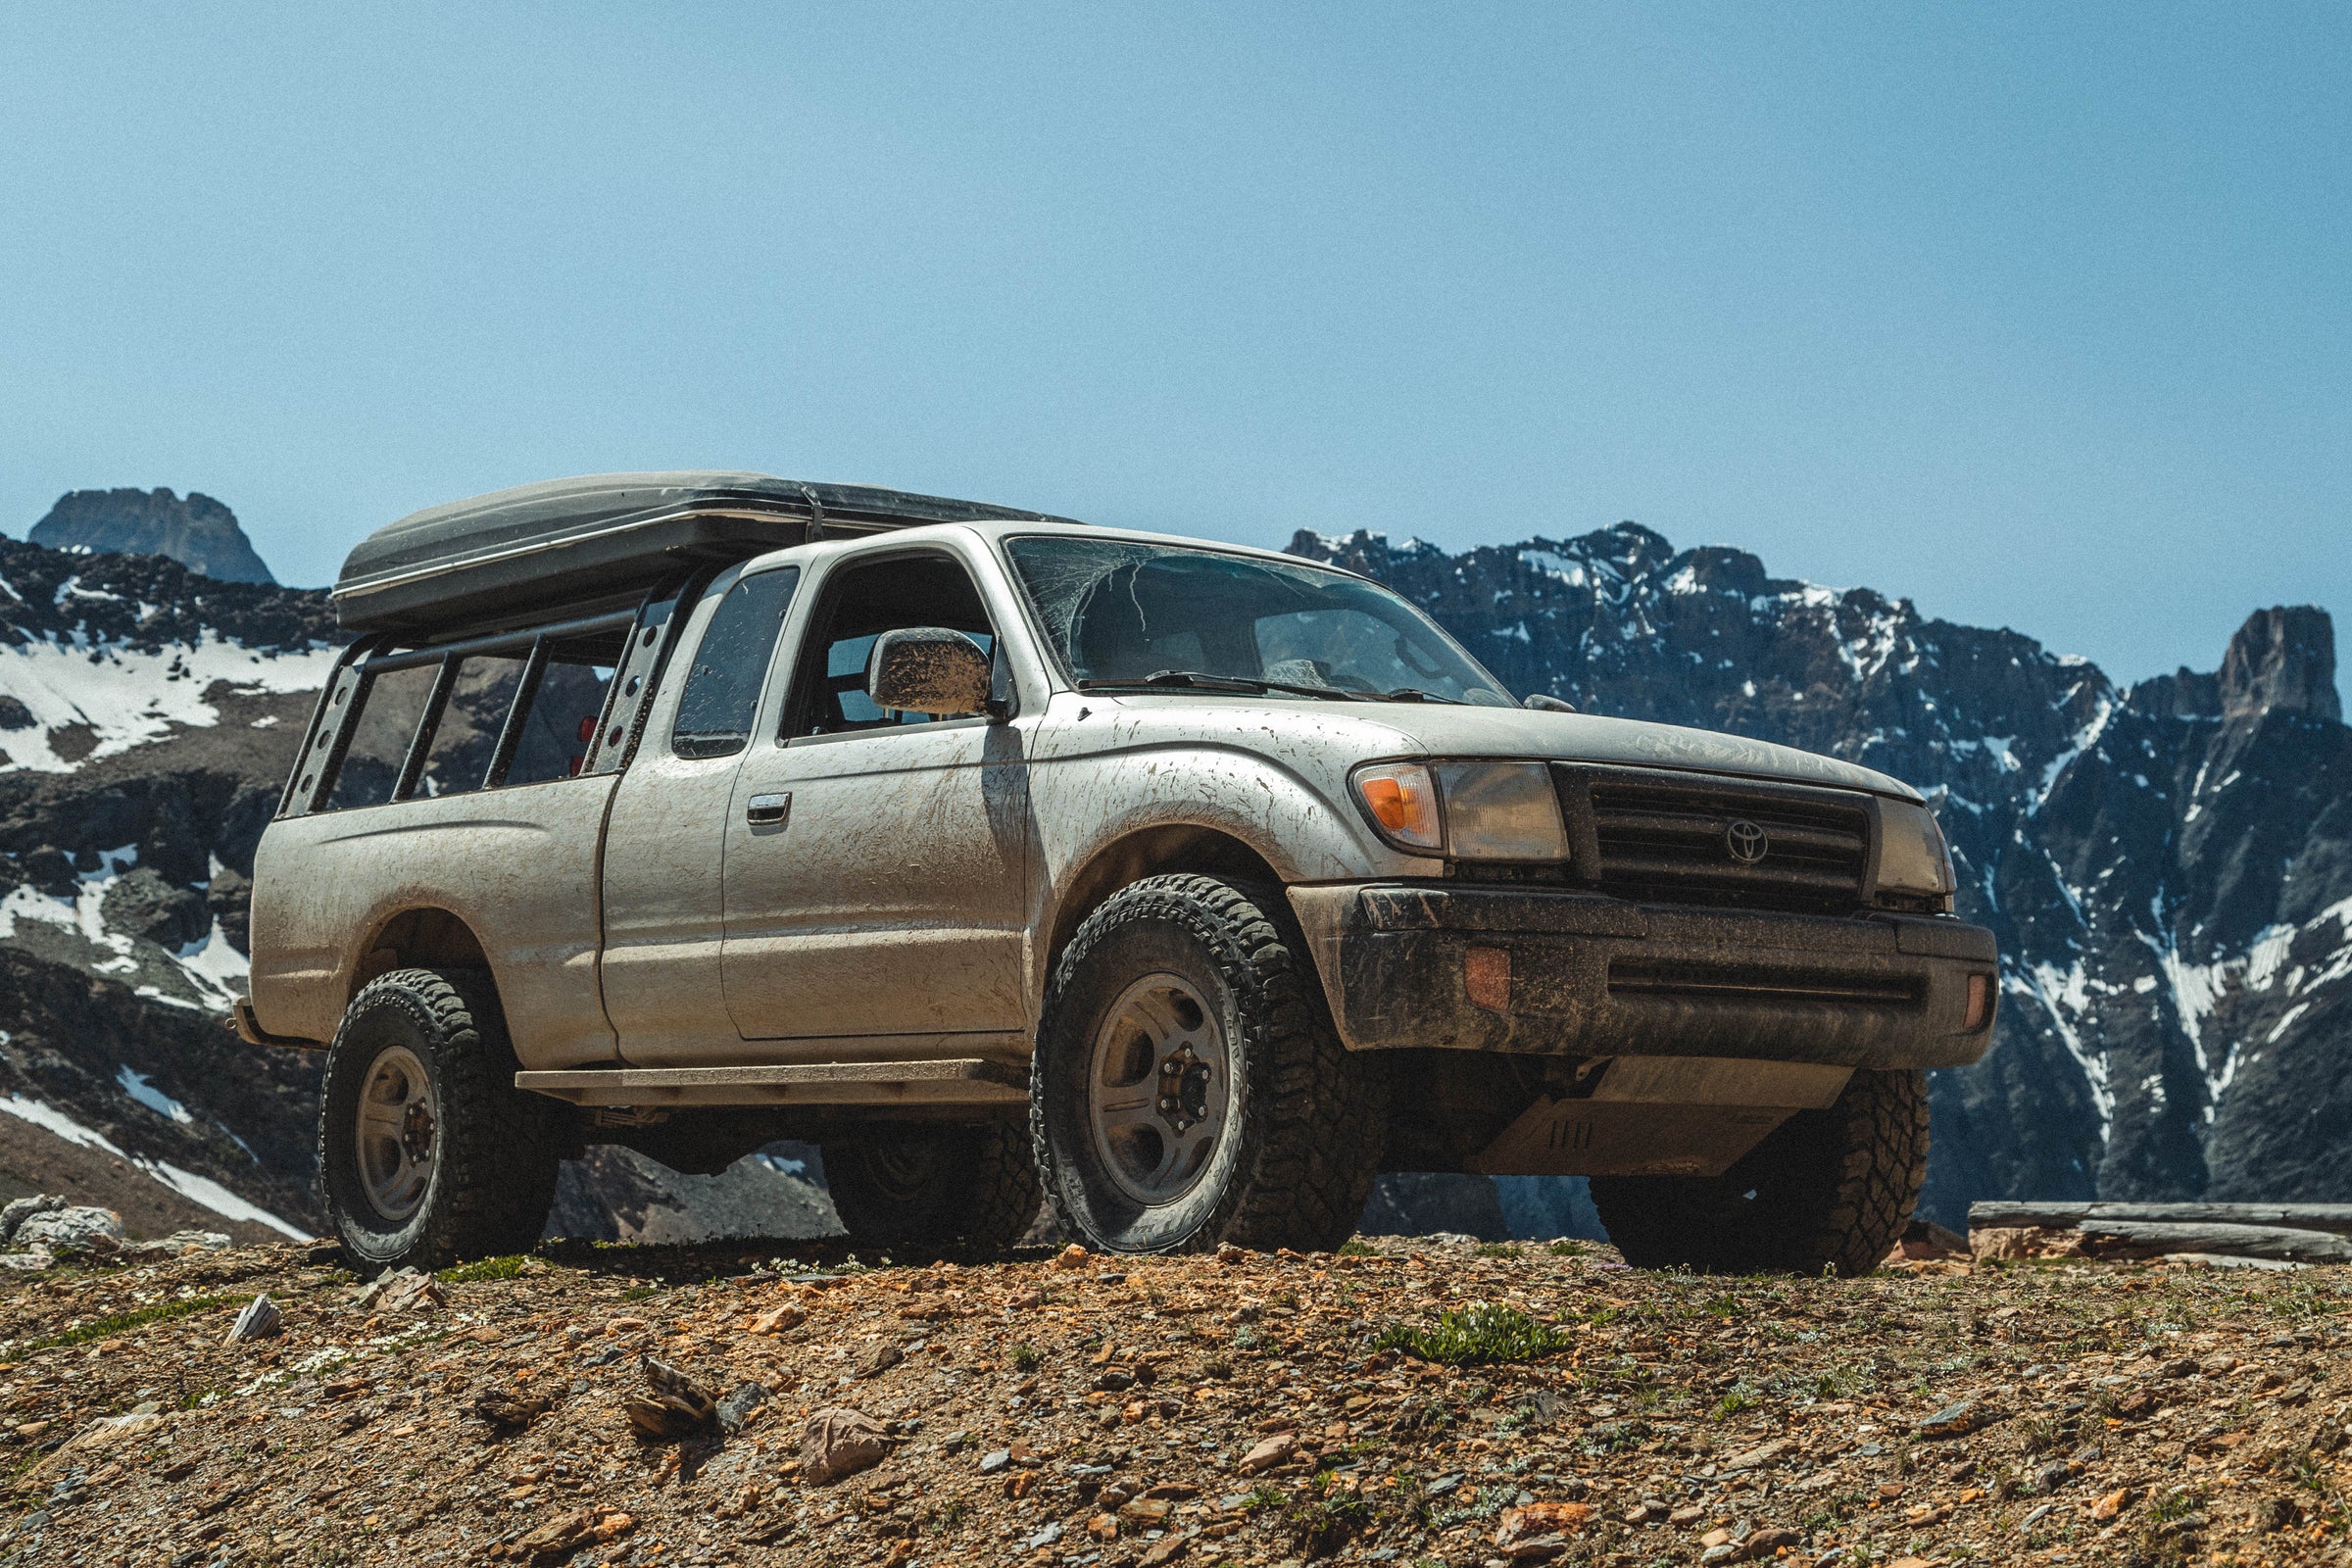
2038,315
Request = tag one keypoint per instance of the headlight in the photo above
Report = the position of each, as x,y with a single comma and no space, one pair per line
1912,858
1467,811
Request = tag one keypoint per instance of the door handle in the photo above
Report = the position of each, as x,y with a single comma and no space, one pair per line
768,810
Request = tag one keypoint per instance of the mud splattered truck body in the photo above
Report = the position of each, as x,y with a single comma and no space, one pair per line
1190,883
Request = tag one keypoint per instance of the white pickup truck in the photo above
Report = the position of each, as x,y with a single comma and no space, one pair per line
1194,885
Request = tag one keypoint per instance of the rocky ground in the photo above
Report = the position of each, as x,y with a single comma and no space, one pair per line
1404,1401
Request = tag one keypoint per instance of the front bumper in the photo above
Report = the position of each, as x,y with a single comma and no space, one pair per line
1590,975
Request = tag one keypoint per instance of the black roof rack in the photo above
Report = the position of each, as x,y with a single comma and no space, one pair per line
537,547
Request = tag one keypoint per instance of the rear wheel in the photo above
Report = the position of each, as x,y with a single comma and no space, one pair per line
427,1152
1188,1086
910,1186
1829,1190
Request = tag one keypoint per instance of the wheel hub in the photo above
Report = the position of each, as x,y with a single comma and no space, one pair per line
396,1134
416,1132
1183,1101
1158,1088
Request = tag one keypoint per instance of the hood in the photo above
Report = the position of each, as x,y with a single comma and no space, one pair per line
1449,731
1389,729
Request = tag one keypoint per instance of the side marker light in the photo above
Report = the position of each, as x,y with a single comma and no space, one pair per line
1979,1004
1486,977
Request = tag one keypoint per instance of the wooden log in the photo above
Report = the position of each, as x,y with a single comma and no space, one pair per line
2118,1238
2282,1233
2014,1214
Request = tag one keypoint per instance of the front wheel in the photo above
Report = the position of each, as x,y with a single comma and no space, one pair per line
427,1152
1188,1086
918,1186
1829,1190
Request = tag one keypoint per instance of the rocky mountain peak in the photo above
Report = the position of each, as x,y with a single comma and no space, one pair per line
2170,877
2282,659
198,533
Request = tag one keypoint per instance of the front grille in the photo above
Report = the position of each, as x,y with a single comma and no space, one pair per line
1675,838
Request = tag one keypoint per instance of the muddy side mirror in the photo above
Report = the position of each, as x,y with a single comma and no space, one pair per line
1546,703
927,669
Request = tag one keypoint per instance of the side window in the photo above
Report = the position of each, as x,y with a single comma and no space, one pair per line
723,689
860,602
390,707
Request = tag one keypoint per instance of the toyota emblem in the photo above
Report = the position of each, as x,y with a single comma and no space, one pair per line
1746,842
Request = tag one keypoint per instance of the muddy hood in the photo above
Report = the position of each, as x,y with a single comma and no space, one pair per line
1447,731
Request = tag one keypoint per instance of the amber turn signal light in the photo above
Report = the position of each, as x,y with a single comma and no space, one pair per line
1979,1004
1486,977
1403,801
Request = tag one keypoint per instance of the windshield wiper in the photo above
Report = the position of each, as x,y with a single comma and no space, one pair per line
1414,694
1202,680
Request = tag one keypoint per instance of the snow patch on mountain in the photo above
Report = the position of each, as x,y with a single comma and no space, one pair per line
212,970
107,697
196,1189
137,1086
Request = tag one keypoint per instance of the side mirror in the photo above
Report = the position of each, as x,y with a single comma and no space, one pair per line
1546,703
927,669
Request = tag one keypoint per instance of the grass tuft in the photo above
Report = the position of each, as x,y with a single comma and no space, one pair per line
105,1328
1476,1336
487,1268
1740,1398
1325,1517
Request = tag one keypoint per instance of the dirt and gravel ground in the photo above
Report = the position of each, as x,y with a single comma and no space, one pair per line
1071,1410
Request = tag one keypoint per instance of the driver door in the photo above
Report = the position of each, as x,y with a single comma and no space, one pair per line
877,865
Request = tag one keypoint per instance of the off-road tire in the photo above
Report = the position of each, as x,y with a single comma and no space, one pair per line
1306,1120
497,1147
1829,1190
927,1185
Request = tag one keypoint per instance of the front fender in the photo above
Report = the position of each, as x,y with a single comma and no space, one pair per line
1087,804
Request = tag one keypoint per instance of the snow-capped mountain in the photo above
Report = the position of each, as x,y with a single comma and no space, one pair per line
147,717
2169,866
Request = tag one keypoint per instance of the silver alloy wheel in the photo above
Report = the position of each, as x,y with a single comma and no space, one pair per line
397,1139
1158,1088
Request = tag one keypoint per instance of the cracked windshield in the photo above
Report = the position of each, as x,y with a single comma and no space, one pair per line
1122,614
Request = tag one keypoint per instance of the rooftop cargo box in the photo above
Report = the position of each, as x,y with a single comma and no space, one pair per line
503,556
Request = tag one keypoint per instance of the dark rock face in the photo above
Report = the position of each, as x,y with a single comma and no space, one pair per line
199,532
246,1118
143,904
2169,869
2281,661
123,859
145,603
1424,1203
611,1194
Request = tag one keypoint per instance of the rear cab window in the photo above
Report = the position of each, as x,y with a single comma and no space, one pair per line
720,698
